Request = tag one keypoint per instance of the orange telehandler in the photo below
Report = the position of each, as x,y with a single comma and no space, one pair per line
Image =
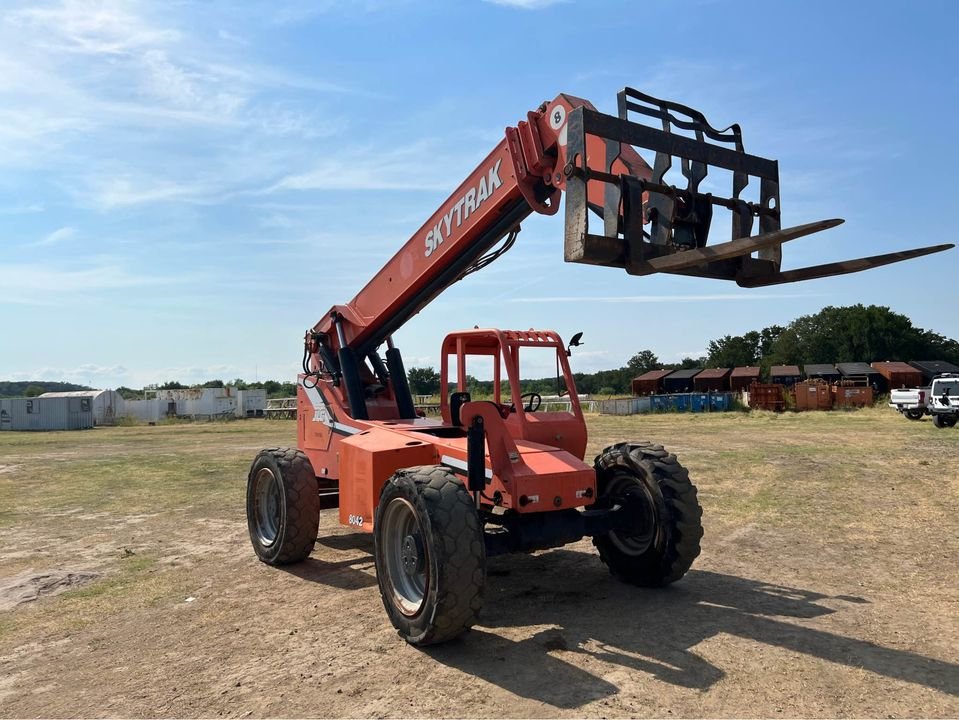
502,475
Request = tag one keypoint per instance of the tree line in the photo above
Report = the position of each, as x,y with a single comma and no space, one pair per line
33,388
855,333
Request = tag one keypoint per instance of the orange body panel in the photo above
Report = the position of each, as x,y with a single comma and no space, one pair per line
368,459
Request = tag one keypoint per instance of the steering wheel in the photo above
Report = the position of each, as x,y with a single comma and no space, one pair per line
532,405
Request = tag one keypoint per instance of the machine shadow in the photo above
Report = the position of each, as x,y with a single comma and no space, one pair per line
348,541
650,631
342,574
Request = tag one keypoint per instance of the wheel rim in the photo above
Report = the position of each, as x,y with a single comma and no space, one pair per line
267,505
405,556
628,543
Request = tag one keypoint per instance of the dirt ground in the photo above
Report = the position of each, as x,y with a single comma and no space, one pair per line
827,587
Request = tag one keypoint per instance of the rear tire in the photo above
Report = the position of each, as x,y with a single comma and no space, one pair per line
677,515
430,555
282,506
943,421
913,414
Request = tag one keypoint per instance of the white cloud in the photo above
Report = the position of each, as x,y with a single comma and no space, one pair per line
21,282
527,4
117,75
59,235
113,193
87,373
22,209
415,167
98,27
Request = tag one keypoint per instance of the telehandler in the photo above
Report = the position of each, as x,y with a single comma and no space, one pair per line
495,476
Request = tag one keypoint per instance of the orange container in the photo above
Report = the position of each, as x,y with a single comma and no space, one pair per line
812,395
852,396
766,397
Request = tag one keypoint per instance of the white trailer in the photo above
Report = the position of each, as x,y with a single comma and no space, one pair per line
39,413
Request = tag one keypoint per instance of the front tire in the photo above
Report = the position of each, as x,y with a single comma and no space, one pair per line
282,506
430,555
675,514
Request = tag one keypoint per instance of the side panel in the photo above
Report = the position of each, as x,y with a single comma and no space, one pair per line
314,432
367,460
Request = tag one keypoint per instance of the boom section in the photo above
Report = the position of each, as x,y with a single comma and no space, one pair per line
483,209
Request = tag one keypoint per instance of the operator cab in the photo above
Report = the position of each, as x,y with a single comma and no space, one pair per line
470,358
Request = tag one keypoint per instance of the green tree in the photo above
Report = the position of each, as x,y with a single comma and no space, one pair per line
423,381
129,393
34,390
733,351
642,362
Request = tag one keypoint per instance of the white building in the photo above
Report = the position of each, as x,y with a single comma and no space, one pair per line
107,405
250,403
46,413
199,403
195,402
143,410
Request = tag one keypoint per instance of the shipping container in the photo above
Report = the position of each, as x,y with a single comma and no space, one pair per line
825,372
766,397
899,374
852,395
787,375
712,380
931,368
660,403
649,383
699,402
813,395
742,377
680,381
107,404
860,373
720,402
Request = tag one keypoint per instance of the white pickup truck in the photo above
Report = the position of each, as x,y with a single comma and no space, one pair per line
940,399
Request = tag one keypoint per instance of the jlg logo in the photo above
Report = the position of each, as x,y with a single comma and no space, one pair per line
464,207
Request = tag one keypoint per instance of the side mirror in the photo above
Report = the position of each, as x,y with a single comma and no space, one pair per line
575,341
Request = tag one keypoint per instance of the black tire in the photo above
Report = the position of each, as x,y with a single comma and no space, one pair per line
675,513
943,421
282,506
913,414
430,555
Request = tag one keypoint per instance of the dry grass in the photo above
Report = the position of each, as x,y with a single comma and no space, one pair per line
847,507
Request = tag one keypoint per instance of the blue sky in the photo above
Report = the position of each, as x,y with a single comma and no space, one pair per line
186,186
